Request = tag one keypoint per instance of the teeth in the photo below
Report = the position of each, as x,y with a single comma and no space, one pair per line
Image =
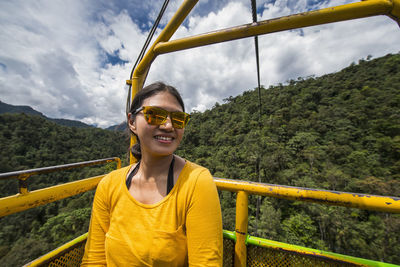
163,138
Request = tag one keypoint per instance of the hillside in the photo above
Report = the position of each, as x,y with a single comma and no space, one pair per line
347,122
339,132
30,141
7,108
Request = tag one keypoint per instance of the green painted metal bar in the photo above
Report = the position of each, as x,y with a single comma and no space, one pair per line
261,242
229,235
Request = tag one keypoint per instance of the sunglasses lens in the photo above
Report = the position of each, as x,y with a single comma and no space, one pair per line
158,116
155,116
179,119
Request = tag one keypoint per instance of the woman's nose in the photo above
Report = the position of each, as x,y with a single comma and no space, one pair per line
167,125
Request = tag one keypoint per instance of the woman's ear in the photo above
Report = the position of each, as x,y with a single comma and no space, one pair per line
132,123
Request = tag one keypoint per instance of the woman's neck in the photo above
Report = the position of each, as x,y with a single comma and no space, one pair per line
154,167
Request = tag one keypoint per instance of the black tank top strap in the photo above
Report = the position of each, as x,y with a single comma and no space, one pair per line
130,176
170,180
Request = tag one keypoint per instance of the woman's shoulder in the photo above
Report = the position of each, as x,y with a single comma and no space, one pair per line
194,173
194,168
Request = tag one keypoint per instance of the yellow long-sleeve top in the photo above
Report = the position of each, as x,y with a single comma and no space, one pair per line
184,228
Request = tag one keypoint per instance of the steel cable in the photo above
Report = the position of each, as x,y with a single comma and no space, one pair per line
144,48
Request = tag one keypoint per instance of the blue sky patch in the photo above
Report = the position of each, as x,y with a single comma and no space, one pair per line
114,59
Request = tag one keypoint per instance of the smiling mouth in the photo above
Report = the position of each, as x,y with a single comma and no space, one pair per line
163,138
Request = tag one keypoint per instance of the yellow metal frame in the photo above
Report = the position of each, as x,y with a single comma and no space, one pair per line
299,250
162,45
21,202
327,15
27,200
241,225
335,198
55,253
241,237
357,10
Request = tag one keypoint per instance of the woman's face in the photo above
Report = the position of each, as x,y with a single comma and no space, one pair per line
158,140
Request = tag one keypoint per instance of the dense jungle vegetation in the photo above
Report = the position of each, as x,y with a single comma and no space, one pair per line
31,141
338,132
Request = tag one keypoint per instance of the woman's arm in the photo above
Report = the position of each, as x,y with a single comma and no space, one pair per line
99,224
204,224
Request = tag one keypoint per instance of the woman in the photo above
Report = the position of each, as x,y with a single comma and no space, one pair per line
164,210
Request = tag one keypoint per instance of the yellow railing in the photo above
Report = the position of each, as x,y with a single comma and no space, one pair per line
162,45
240,235
334,198
27,200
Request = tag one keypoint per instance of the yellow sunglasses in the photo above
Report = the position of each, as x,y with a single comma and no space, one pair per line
158,116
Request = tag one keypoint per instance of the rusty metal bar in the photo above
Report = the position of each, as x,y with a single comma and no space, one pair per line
242,214
23,175
21,202
334,198
327,15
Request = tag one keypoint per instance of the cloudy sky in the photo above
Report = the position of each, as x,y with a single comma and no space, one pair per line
70,59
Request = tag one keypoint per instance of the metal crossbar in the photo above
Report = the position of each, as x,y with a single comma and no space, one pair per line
242,254
240,249
27,200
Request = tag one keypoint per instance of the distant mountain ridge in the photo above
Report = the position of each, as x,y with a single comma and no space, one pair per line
7,108
118,127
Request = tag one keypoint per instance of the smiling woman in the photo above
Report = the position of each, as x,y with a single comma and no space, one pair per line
164,210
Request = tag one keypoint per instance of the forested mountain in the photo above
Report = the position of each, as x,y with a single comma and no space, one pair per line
339,132
7,108
119,127
30,141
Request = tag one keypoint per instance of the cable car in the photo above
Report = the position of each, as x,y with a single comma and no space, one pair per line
240,248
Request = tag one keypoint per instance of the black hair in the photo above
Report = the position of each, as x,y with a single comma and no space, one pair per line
138,100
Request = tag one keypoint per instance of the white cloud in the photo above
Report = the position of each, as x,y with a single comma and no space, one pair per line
55,60
43,49
218,71
53,54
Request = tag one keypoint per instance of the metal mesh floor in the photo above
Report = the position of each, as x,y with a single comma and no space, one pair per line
229,252
69,258
256,256
259,256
